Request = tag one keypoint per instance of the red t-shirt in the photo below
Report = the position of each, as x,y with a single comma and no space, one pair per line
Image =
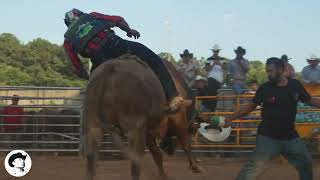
9,110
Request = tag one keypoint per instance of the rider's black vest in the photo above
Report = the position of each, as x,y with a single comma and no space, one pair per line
83,30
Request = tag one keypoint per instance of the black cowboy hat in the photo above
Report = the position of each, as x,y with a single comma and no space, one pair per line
186,53
285,57
240,50
16,156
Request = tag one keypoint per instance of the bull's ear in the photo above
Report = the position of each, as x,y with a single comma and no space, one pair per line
187,103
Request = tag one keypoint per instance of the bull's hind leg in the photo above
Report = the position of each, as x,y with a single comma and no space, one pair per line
136,139
184,139
93,142
156,154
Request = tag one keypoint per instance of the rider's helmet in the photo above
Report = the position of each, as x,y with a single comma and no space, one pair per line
71,16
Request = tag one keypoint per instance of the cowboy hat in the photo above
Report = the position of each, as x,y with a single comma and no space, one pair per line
186,53
16,156
285,57
313,58
240,50
214,135
216,47
198,78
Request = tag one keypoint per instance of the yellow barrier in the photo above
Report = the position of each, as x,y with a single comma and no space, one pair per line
313,89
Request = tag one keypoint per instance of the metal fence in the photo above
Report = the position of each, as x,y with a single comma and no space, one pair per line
52,122
48,122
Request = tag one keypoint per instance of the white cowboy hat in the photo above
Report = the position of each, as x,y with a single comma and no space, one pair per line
216,47
214,134
313,57
198,77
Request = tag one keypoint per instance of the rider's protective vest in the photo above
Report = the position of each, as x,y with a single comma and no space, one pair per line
83,30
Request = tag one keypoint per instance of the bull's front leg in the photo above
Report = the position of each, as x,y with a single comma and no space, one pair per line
184,139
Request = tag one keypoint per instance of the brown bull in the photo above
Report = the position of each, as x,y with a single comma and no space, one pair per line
125,96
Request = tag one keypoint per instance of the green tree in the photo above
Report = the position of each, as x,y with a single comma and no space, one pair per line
169,57
38,62
257,72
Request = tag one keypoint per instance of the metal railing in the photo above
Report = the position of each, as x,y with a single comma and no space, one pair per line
48,127
45,132
238,139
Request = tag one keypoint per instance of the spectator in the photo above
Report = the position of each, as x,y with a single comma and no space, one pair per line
10,110
253,87
188,67
311,73
201,86
215,68
239,67
289,71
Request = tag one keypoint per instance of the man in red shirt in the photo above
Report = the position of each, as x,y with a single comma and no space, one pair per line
10,110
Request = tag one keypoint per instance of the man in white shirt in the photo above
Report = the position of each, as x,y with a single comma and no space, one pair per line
215,70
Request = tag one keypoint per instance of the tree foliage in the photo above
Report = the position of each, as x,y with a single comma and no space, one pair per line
38,63
257,72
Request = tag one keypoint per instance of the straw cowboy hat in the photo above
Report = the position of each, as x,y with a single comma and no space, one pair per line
240,50
285,58
215,47
313,58
201,78
186,53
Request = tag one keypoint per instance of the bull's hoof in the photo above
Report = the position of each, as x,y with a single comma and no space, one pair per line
164,177
168,145
196,169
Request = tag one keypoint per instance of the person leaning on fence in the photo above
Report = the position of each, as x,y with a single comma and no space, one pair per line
215,69
239,67
276,132
201,86
13,109
311,73
253,86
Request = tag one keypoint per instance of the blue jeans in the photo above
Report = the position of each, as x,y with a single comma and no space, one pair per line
239,87
267,148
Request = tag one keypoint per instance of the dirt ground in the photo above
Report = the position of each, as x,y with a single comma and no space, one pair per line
72,168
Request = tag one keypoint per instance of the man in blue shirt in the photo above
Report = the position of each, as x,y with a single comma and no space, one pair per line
311,73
